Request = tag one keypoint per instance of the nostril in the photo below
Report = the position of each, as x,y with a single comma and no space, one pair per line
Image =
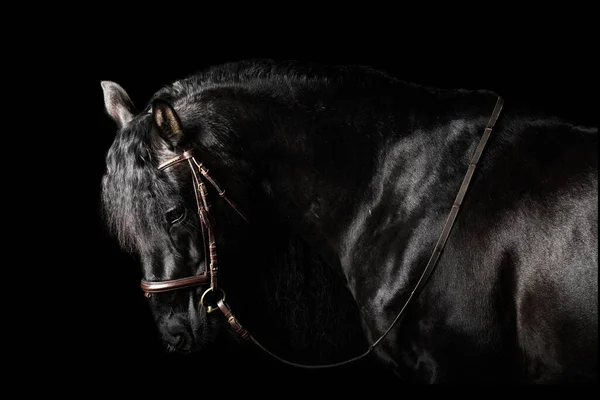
178,338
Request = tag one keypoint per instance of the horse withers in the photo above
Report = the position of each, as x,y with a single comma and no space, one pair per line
453,232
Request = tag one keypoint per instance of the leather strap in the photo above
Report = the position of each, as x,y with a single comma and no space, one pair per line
441,242
205,173
237,327
435,256
173,284
176,160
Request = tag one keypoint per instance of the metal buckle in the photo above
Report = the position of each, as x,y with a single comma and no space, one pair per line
210,308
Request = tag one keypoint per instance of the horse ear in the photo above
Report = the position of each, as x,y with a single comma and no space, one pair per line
168,123
117,103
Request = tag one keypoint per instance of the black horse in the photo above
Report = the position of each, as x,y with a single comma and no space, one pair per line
349,176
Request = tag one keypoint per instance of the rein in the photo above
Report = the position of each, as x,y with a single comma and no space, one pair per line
210,275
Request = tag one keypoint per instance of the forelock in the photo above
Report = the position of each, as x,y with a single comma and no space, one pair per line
133,189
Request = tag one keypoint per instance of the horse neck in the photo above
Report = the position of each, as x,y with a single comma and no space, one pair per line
344,163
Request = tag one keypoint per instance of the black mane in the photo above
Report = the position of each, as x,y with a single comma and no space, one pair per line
130,178
254,73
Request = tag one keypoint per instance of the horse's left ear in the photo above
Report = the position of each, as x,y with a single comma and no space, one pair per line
168,123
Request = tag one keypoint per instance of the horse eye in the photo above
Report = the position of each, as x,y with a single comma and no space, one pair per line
175,215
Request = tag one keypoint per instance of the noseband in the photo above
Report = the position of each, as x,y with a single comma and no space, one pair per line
210,275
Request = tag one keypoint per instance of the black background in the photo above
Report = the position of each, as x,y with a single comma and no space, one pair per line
549,65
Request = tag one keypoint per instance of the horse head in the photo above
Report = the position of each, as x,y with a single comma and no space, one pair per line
154,211
154,201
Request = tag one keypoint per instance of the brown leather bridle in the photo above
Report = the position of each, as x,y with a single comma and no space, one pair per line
210,274
208,234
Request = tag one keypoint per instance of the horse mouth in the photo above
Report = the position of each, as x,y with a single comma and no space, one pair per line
185,346
179,350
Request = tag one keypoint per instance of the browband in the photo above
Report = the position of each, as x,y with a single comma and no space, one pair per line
186,155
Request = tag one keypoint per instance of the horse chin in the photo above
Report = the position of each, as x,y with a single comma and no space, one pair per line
196,344
177,350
